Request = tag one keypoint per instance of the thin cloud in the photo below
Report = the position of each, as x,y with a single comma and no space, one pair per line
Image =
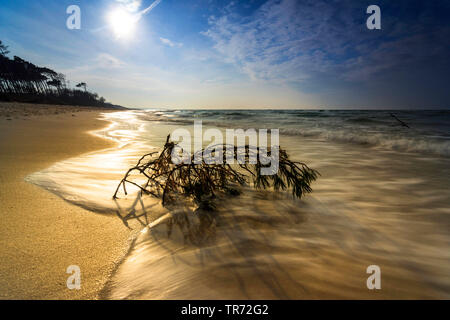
131,5
105,60
150,8
170,43
134,5
291,41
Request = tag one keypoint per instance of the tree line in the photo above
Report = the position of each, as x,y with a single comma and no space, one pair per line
23,81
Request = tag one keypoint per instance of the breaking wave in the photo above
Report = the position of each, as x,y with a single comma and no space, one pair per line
402,144
428,132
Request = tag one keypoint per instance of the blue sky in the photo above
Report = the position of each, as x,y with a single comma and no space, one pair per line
243,54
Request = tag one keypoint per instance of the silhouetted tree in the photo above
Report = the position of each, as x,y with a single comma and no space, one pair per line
3,49
82,85
22,80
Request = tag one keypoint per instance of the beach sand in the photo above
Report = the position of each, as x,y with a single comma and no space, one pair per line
41,234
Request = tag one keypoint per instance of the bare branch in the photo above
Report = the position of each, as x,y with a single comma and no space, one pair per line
202,182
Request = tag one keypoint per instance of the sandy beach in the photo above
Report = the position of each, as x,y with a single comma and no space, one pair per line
41,234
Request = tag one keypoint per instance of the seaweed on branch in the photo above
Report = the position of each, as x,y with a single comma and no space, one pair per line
201,181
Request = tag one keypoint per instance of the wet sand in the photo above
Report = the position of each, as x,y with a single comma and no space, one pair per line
41,234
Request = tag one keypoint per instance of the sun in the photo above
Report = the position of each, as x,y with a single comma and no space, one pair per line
122,23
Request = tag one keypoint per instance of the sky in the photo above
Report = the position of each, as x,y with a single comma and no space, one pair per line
242,54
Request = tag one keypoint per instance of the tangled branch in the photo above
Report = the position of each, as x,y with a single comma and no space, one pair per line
201,181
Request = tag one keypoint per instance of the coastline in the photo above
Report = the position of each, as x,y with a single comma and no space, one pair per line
41,234
266,246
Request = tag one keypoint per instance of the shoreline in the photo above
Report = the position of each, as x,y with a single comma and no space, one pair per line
41,234
278,248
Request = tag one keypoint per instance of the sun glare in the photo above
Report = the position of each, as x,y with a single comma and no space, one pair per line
122,23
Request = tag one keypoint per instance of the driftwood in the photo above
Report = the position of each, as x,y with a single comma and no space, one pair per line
202,182
401,122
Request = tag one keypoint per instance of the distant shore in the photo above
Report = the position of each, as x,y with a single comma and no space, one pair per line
40,234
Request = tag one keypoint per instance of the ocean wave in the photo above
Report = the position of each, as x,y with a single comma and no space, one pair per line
429,135
386,141
364,120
